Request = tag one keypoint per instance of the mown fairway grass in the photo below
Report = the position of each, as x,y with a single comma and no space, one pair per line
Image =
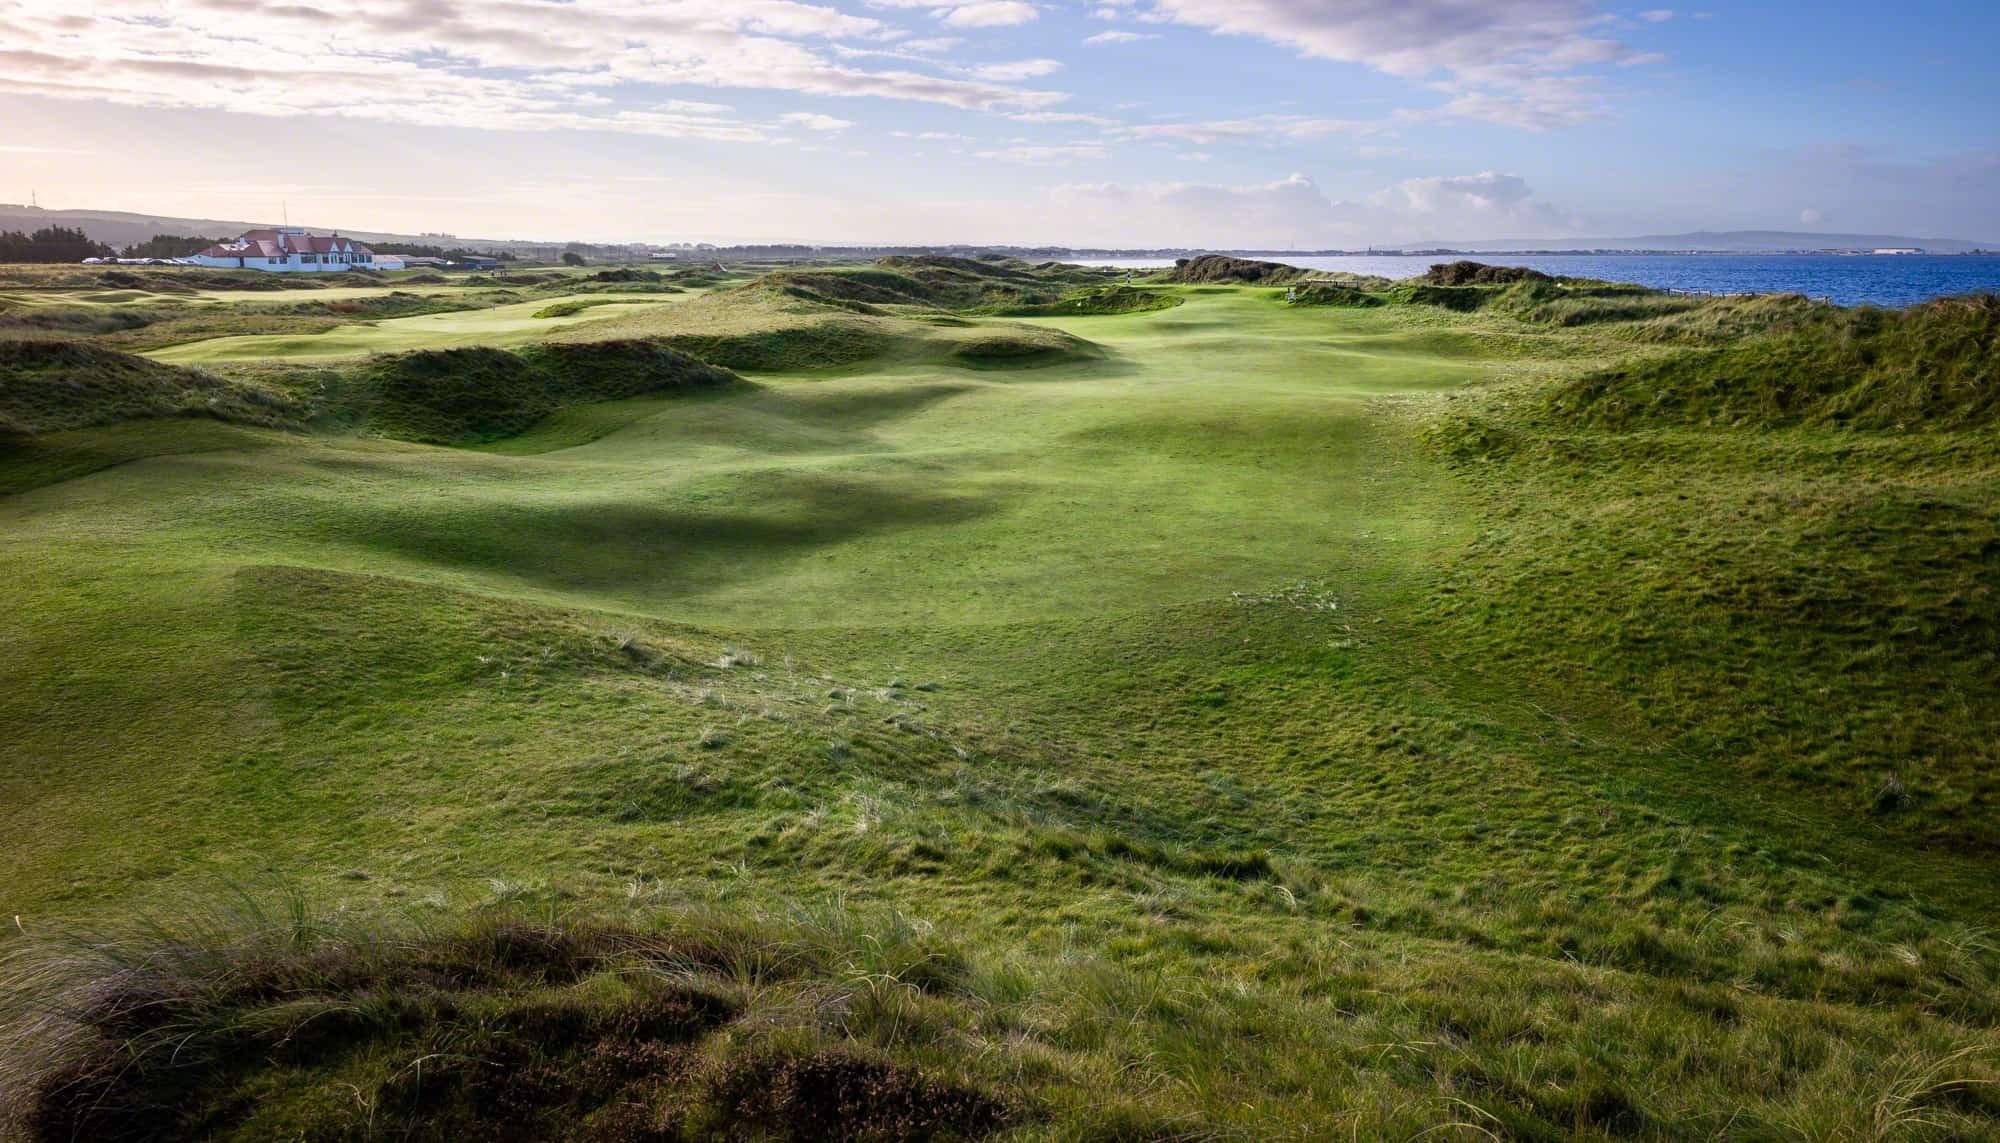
1176,739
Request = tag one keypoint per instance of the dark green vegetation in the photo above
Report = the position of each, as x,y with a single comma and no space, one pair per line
1221,269
1480,274
470,396
1479,715
525,1029
1928,367
1097,302
49,386
455,396
1333,294
49,244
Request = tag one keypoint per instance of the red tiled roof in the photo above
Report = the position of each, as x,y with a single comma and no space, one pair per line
277,244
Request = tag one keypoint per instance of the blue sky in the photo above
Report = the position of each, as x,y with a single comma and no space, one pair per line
1267,123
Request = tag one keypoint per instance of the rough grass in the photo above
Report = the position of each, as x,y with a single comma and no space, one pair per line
51,386
470,396
1335,295
1464,273
497,1027
573,306
467,396
1935,365
1218,269
1099,302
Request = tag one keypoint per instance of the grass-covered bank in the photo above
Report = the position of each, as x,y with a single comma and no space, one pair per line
817,1021
1258,720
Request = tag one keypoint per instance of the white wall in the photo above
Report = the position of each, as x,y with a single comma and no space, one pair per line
289,266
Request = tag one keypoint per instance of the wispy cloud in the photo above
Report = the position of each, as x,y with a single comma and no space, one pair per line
522,65
1520,63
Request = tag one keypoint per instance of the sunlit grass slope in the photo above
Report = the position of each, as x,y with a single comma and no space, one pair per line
514,324
1242,721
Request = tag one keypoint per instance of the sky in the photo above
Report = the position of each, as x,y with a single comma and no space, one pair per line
1271,124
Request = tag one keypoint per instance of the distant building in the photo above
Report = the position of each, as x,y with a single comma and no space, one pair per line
389,262
1898,250
287,250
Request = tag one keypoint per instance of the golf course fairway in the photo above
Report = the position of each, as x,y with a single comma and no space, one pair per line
1237,720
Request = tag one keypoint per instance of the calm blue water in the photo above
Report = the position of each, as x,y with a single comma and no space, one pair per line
1889,280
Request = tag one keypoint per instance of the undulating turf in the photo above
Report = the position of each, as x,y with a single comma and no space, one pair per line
1236,720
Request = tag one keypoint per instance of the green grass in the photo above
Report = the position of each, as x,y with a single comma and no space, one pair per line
48,387
503,325
1254,721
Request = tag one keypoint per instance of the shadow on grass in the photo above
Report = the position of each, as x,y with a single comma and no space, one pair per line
619,543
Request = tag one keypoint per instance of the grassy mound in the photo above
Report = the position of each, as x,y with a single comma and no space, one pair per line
860,291
820,345
1221,269
1465,273
1335,295
1935,365
490,1028
1458,299
469,396
50,386
573,306
1020,347
951,283
626,274
1101,302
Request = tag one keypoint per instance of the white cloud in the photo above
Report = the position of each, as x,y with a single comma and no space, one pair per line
1264,129
1018,70
1811,216
1297,210
1657,15
1513,62
1119,37
1042,155
813,121
1486,191
519,65
972,13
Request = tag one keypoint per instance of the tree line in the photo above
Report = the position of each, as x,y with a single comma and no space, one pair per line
50,244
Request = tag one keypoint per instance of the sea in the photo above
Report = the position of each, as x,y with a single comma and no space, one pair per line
1848,280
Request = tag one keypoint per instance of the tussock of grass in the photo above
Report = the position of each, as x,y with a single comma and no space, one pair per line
263,1023
699,1023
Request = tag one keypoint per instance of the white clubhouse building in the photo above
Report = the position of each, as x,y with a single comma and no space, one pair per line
288,249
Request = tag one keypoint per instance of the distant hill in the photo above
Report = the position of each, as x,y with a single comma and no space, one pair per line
120,228
1730,241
